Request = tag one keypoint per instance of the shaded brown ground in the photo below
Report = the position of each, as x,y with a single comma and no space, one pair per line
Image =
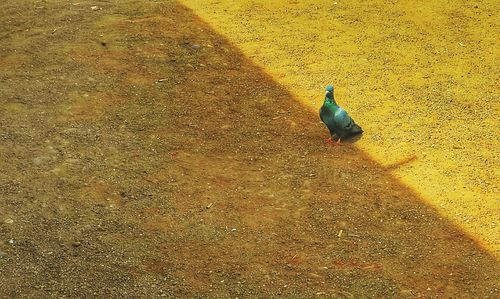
108,175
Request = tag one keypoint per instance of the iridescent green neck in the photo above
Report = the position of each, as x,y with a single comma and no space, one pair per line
331,102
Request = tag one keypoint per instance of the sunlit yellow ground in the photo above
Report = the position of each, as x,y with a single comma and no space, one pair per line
421,77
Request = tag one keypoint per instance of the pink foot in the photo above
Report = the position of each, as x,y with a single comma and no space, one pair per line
331,142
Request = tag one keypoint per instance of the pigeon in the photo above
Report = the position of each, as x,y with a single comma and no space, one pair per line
336,119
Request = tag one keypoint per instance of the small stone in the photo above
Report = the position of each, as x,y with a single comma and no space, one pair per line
11,241
9,221
76,244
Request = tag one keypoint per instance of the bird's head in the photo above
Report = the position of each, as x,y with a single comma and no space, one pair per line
329,92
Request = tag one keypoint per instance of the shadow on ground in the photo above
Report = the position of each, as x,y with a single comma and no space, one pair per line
145,156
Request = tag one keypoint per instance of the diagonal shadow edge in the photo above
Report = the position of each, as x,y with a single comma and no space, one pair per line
476,239
303,128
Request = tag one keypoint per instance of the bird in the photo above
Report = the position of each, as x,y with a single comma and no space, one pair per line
336,119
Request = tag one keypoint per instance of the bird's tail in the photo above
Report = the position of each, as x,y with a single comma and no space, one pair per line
356,129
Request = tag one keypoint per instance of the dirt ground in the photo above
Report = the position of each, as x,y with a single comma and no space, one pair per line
144,155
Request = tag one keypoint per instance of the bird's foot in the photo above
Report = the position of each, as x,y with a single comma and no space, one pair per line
331,142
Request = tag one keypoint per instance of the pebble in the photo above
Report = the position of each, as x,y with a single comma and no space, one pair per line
76,244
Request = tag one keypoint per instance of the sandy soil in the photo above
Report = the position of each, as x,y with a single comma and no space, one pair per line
145,156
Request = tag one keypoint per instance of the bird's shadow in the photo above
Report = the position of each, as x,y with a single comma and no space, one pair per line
401,163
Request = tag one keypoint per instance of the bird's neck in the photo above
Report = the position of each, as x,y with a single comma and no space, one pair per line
331,101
